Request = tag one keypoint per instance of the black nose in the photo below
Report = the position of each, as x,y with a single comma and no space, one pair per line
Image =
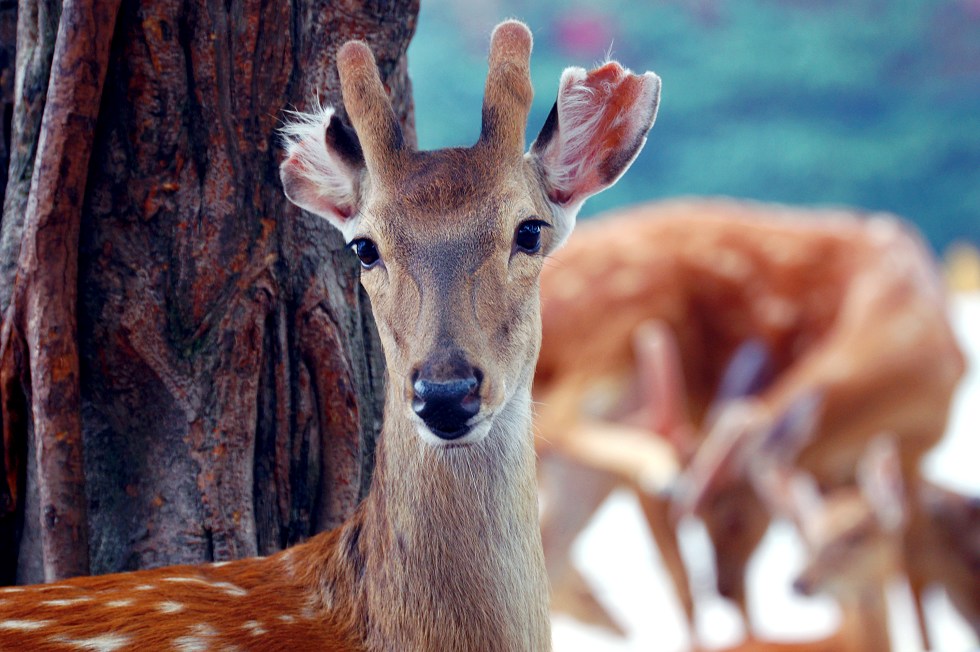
446,405
802,586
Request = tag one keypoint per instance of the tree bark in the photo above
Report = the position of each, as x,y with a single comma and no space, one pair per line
221,393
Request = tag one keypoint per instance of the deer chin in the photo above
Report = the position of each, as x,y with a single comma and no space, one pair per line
476,431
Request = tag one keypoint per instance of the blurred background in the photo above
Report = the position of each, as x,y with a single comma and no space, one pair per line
873,104
869,103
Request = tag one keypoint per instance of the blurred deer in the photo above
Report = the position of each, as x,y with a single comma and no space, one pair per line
445,551
827,302
859,538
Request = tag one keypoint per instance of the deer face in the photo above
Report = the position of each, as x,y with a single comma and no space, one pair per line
850,549
855,533
453,285
451,242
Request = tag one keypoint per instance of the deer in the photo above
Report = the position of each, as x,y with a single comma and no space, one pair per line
795,303
445,551
858,538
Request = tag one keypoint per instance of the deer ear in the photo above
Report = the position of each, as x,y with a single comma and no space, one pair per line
594,131
324,167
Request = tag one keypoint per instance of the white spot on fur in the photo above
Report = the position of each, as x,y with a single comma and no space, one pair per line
309,609
733,265
627,282
203,629
186,580
199,640
169,607
286,618
101,643
229,588
12,589
144,587
288,561
66,602
219,564
191,644
24,625
255,627
776,312
125,602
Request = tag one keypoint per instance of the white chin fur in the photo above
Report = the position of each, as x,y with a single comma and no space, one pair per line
476,434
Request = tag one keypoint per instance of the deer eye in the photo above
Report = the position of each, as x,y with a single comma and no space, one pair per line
367,252
527,238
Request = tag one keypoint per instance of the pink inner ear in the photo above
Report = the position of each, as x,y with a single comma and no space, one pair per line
616,92
600,121
314,189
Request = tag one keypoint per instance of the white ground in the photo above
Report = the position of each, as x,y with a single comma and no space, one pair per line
617,557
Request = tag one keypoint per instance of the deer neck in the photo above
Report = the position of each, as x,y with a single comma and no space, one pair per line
864,621
445,552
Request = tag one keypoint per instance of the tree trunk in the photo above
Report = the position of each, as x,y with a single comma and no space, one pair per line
188,367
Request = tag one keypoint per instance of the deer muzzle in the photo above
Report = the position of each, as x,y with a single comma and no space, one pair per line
446,396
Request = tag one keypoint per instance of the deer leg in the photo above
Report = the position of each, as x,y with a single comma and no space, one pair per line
656,510
918,596
577,600
736,522
573,492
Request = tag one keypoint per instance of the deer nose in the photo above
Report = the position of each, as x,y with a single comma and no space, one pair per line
446,405
803,586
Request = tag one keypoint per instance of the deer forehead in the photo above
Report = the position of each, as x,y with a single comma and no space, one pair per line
453,202
454,184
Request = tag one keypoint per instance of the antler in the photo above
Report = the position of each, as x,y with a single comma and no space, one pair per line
369,109
508,94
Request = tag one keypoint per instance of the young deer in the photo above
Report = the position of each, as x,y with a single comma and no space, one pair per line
445,551
859,538
848,306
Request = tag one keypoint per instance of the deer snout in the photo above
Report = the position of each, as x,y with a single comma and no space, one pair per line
447,404
804,586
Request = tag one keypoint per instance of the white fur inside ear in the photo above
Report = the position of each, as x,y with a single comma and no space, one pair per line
578,118
314,178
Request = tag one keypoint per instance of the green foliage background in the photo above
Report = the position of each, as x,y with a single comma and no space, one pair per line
868,103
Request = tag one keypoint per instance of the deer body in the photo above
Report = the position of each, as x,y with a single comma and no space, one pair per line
445,552
719,273
845,307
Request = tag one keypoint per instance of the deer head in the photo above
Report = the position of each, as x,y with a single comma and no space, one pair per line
451,241
855,533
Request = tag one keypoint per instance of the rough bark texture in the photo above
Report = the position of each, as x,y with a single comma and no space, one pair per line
225,392
8,50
